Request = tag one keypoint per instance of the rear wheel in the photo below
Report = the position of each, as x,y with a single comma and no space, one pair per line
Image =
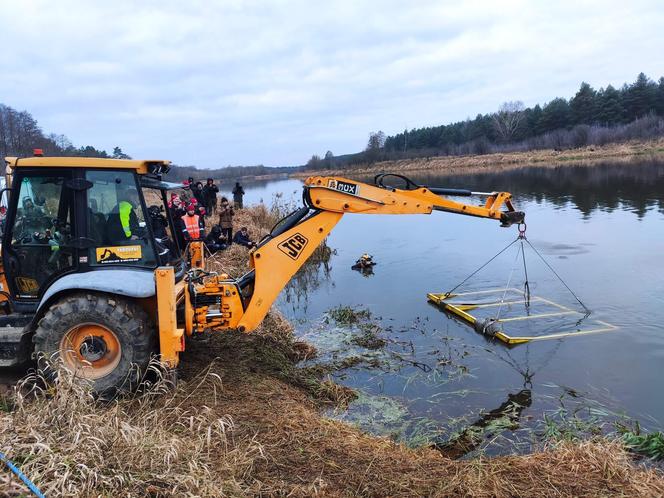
107,340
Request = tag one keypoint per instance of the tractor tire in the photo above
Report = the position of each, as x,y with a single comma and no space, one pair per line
108,340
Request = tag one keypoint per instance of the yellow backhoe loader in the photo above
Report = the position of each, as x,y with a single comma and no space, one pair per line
86,278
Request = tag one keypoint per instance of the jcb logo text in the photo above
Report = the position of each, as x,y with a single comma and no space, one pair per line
293,246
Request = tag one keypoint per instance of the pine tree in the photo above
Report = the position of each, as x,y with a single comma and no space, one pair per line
118,154
534,120
659,101
609,109
555,115
640,97
583,105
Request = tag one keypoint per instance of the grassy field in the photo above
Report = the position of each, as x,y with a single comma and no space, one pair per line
245,420
623,152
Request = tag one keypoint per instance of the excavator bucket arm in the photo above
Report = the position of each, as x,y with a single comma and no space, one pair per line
283,252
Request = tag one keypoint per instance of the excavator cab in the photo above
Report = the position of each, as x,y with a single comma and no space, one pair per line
75,227
67,220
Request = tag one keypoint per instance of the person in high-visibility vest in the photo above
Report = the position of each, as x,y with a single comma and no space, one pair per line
122,220
192,225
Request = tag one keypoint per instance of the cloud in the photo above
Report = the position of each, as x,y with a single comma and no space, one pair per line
217,83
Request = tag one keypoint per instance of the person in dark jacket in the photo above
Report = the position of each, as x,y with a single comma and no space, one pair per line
159,223
215,241
197,192
210,191
242,238
202,212
177,209
238,193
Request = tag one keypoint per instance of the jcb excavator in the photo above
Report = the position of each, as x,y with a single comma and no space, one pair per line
86,279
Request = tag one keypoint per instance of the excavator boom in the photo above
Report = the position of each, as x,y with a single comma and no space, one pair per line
341,195
282,253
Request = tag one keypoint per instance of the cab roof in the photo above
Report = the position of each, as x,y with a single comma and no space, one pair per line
141,167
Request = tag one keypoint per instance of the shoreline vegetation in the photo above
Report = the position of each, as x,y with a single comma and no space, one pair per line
245,419
479,163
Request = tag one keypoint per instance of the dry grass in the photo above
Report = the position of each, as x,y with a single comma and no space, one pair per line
181,443
307,454
243,422
151,444
622,152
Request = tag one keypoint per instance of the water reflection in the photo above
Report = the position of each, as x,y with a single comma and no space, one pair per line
309,278
505,417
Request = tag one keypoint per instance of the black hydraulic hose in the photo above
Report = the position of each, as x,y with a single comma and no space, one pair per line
460,192
379,180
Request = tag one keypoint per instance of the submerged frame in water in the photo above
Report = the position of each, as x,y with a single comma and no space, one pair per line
493,327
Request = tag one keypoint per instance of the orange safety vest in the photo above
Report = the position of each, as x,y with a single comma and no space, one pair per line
192,226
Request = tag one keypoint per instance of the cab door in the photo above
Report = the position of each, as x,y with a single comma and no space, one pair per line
39,230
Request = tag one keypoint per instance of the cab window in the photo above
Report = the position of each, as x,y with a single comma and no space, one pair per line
42,232
167,249
116,221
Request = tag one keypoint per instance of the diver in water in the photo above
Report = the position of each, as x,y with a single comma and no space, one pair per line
364,265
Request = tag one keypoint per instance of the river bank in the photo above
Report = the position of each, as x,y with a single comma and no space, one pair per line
246,419
622,152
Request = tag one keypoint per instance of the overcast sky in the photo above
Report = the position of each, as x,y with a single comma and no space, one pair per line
232,82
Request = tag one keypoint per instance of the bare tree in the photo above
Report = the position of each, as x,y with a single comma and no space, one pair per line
376,140
61,141
314,162
508,119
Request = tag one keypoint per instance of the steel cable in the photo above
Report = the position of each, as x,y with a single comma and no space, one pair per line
482,267
558,276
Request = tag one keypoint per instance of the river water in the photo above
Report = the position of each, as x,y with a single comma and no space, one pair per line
601,228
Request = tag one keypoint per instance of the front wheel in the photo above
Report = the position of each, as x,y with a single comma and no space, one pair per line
105,339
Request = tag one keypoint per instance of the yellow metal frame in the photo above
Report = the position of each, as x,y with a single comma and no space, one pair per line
171,338
140,166
460,310
196,254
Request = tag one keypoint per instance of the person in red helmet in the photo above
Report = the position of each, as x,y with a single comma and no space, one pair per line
177,210
202,212
192,225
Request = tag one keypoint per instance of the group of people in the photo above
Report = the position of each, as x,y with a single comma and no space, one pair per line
190,213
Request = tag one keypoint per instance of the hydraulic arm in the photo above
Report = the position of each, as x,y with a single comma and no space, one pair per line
215,302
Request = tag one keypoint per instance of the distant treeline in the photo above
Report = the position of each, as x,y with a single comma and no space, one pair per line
591,117
20,135
180,173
